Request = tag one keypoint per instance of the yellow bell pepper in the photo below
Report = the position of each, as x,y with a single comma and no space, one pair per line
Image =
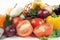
54,20
42,5
35,5
38,3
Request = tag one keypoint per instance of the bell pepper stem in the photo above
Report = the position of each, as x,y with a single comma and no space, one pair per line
54,15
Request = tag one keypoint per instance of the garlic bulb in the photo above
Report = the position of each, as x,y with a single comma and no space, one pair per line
16,11
1,32
22,16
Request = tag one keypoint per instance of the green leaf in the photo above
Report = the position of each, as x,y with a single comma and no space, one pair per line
53,34
58,32
33,12
7,22
7,17
44,38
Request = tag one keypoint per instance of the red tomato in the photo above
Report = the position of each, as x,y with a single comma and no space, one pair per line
37,21
43,30
16,20
24,28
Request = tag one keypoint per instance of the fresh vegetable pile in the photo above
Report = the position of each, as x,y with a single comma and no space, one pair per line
37,18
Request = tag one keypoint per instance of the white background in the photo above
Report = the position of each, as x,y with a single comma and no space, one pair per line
4,4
